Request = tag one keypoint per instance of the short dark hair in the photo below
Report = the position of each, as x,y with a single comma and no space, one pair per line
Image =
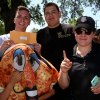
23,8
50,4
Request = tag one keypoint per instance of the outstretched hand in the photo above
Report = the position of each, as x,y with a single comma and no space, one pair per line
66,63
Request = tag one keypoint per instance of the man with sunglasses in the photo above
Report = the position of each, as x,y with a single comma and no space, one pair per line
78,71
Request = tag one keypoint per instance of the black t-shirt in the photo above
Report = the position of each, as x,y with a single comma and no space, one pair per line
54,41
82,72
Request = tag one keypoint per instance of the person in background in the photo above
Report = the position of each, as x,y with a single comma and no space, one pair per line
78,71
97,36
53,39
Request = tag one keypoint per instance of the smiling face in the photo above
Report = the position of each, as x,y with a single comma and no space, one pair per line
52,16
21,20
84,38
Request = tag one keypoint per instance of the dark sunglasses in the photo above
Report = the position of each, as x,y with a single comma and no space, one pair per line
80,31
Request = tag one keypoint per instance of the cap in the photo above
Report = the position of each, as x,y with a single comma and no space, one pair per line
85,22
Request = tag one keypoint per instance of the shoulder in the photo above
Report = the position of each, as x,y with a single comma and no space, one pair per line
66,25
96,47
67,28
4,37
42,30
41,34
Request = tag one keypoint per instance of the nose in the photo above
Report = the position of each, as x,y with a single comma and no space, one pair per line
22,19
49,14
83,32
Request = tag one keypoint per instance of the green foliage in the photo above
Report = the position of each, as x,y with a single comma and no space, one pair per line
72,22
34,30
2,29
36,15
9,3
71,9
95,4
27,2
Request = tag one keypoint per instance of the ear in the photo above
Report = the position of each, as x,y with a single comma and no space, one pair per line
75,33
14,20
59,14
29,21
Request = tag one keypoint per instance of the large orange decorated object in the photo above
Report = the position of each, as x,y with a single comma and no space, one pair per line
38,76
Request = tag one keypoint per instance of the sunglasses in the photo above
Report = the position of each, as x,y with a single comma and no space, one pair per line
81,30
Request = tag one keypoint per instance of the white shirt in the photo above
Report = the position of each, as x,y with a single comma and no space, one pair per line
4,37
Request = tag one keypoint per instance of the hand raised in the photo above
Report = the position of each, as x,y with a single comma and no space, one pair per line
66,63
64,54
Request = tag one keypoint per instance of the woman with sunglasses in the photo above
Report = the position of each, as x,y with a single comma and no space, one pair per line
81,71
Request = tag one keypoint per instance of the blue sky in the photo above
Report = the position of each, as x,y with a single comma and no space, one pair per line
87,12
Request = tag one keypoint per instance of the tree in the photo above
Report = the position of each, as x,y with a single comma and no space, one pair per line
71,9
2,31
7,12
34,30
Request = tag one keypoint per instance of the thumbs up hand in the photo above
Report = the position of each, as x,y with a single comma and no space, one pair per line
66,63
